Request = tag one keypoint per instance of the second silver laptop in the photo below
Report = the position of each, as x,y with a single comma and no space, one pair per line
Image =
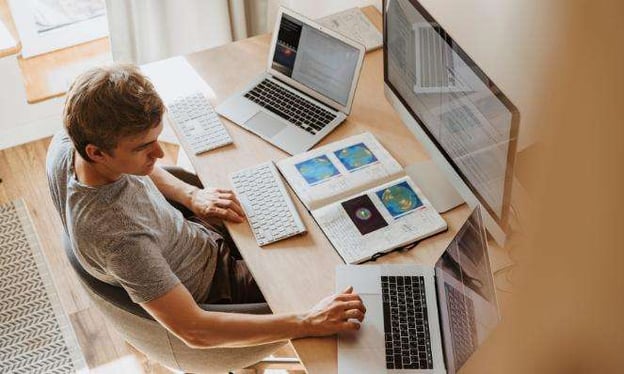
307,89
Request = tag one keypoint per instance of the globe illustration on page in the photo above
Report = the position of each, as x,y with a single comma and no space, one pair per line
399,199
317,170
355,156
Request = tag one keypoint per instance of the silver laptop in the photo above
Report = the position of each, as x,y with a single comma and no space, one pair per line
421,319
307,89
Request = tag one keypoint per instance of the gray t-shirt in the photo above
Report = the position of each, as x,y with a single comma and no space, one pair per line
126,233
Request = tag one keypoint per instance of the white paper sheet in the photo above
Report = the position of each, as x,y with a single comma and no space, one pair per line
354,24
175,77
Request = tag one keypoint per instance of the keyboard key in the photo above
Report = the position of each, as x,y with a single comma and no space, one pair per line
267,205
198,122
406,346
463,330
290,106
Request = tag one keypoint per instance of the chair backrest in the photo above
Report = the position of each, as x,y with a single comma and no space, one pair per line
120,298
112,294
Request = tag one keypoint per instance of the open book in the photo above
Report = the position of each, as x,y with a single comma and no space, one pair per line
361,198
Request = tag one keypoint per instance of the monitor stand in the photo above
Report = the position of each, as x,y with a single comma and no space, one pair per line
434,184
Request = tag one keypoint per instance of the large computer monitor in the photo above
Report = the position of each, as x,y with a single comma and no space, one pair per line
467,125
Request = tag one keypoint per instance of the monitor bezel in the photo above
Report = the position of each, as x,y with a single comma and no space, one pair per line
503,220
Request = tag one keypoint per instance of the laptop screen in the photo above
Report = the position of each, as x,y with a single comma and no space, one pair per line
466,295
316,60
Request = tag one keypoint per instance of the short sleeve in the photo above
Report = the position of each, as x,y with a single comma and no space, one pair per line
140,268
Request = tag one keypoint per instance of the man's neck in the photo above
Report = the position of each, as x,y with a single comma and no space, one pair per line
92,174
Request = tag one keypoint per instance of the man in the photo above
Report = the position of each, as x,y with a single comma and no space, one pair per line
112,200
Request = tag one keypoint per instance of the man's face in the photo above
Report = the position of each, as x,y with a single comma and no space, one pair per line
136,154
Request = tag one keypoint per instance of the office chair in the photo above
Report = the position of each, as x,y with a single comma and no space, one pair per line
144,333
139,329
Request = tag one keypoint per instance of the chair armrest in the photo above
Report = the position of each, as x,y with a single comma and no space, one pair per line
252,308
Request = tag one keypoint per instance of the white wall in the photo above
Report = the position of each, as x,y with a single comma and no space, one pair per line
21,122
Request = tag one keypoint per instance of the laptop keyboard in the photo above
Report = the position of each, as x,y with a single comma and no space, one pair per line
463,327
310,117
406,326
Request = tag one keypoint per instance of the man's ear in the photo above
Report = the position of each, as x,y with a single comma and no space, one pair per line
95,153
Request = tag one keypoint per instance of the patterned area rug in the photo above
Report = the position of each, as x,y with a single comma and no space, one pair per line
35,333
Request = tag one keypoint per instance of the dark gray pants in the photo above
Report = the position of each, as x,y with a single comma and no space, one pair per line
232,282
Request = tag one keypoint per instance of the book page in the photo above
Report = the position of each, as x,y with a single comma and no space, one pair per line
353,24
339,169
379,220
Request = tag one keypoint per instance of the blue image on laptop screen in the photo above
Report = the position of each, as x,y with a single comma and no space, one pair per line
466,293
315,59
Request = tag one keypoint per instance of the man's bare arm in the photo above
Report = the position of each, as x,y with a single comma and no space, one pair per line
178,312
171,187
207,202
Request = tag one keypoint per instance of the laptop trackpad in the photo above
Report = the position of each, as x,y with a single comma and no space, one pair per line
264,124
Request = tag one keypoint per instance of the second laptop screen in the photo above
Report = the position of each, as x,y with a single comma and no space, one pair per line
315,59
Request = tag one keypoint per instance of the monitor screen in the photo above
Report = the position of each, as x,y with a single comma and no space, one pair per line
315,59
466,117
466,295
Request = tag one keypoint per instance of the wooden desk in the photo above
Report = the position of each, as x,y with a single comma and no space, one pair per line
296,273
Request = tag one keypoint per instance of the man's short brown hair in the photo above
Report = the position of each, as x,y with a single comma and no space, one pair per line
106,104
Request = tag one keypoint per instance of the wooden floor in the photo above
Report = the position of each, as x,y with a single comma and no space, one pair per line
22,170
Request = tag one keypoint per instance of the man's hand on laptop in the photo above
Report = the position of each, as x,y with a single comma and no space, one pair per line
336,313
217,202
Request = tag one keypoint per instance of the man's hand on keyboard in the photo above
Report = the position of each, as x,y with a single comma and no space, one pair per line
335,313
217,202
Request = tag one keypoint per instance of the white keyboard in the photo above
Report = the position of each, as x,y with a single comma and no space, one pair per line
199,123
269,209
